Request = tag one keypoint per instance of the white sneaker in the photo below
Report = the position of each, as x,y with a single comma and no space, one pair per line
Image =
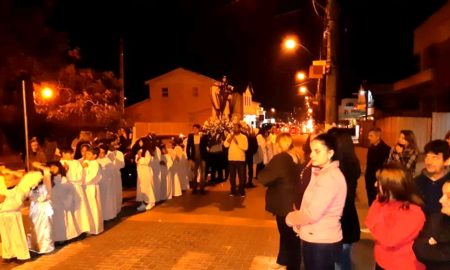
365,230
141,208
149,206
277,266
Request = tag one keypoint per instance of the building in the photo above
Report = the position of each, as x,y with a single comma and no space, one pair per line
177,100
428,90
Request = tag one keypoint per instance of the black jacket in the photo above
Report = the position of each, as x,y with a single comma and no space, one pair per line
376,157
431,191
190,148
280,176
252,146
349,220
435,257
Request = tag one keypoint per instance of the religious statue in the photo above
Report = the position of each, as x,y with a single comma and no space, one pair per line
221,96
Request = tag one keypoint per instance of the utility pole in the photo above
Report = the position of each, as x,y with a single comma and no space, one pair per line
122,79
331,35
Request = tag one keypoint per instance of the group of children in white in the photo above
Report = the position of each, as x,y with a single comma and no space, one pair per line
68,198
162,173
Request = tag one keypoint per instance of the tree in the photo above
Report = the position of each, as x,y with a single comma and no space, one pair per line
82,96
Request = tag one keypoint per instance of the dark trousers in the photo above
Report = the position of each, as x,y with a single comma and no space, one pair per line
371,190
239,168
249,165
321,256
216,168
289,253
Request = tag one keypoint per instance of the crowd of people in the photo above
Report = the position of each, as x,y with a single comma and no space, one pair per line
311,192
313,198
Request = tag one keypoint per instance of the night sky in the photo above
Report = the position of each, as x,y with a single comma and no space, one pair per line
241,39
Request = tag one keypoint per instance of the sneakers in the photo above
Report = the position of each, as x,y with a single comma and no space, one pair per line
277,266
141,207
149,206
242,195
365,230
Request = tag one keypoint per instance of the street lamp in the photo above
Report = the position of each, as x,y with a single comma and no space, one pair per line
303,90
301,76
291,43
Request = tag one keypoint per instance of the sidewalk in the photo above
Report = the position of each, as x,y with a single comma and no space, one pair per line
212,231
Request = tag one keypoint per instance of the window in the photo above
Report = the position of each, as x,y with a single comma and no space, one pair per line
165,92
195,91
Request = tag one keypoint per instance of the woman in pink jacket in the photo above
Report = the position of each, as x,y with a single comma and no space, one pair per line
318,220
395,219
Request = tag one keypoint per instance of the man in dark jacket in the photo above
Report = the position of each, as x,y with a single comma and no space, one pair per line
197,152
432,246
376,156
430,181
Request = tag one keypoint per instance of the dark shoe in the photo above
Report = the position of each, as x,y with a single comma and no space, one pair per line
250,185
202,191
194,191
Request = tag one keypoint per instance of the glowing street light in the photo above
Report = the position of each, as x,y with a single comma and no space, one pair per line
290,43
303,90
47,93
272,110
310,110
301,76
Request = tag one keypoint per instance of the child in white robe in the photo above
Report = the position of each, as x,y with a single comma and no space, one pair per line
107,189
40,238
63,198
74,174
184,169
145,185
155,164
14,187
118,161
166,176
175,170
92,177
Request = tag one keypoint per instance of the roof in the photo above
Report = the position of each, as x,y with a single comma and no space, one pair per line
178,70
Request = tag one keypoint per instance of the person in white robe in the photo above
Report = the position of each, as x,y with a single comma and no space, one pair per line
118,161
260,157
166,176
40,238
14,187
107,189
64,224
175,170
145,184
74,174
183,167
92,178
155,164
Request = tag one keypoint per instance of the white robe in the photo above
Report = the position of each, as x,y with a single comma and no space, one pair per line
92,178
81,209
107,189
156,167
175,173
145,186
184,170
118,161
63,198
41,212
166,177
12,233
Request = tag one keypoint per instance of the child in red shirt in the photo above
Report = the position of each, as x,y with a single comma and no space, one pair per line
395,220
